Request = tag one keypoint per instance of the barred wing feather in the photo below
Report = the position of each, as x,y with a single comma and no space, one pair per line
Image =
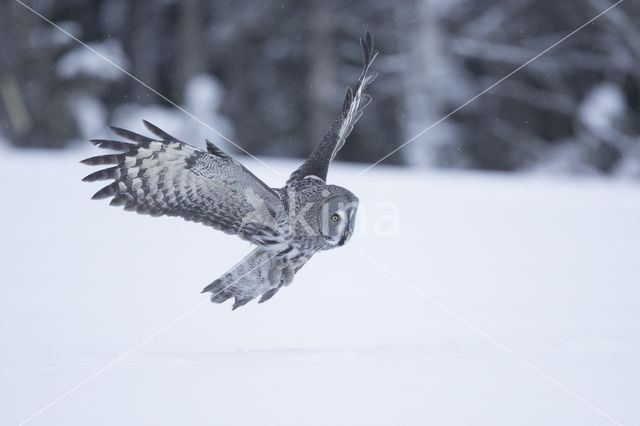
165,176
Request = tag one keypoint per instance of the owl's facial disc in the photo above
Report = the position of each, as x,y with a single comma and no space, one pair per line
336,219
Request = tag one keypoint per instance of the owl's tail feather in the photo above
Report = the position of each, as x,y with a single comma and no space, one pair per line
261,272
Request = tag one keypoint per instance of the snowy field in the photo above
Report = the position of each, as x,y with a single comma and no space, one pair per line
486,284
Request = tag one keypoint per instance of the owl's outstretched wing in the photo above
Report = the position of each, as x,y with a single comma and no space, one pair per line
354,103
165,176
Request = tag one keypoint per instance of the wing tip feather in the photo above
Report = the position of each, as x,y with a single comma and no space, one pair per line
115,145
367,42
99,160
164,136
128,134
103,174
107,191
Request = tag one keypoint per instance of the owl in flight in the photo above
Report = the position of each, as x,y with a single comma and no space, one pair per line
165,176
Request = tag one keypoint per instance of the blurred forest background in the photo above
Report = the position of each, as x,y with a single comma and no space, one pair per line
271,75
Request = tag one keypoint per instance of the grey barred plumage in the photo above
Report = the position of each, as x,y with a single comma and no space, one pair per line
165,176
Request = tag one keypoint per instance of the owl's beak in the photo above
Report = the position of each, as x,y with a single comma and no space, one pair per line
345,236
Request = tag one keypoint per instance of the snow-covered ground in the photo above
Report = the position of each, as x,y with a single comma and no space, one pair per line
510,274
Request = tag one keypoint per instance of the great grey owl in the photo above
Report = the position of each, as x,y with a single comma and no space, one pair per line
288,225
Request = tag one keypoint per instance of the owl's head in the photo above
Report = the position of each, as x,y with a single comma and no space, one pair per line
336,215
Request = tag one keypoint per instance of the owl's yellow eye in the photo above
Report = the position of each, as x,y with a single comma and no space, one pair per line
335,218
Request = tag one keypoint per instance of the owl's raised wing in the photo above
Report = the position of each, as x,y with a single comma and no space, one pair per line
165,176
354,103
